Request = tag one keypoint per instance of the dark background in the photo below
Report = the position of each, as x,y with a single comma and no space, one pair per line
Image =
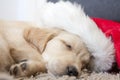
108,9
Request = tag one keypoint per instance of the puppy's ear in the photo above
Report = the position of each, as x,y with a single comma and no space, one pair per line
39,37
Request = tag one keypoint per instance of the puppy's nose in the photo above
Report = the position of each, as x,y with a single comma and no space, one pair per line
72,71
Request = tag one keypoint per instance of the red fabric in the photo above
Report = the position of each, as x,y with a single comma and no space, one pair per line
111,28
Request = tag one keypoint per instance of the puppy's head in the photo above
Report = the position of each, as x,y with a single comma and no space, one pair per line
64,52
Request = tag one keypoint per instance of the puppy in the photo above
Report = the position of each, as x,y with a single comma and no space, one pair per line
72,18
26,49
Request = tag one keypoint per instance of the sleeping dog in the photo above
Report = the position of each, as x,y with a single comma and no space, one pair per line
26,49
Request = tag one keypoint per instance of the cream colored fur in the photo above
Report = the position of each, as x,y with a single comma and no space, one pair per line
26,49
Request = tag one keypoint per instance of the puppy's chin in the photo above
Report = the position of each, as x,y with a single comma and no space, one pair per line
55,74
54,69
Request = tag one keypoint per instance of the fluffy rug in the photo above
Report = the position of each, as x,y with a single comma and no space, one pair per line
85,75
93,76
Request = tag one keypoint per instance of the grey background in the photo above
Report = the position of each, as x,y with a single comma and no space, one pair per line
108,9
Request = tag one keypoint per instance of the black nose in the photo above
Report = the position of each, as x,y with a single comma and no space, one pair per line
72,71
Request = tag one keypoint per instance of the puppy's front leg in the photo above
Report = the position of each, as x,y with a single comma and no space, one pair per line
31,48
27,68
28,61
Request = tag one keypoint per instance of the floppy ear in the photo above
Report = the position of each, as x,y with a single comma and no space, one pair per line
39,37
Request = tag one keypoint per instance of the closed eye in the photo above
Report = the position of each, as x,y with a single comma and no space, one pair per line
67,45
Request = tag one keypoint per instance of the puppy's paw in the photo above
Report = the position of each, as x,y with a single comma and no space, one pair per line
27,68
19,70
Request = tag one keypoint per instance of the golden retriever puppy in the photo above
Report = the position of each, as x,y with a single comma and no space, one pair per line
26,50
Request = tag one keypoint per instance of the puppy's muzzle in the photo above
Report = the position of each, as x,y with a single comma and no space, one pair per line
71,71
